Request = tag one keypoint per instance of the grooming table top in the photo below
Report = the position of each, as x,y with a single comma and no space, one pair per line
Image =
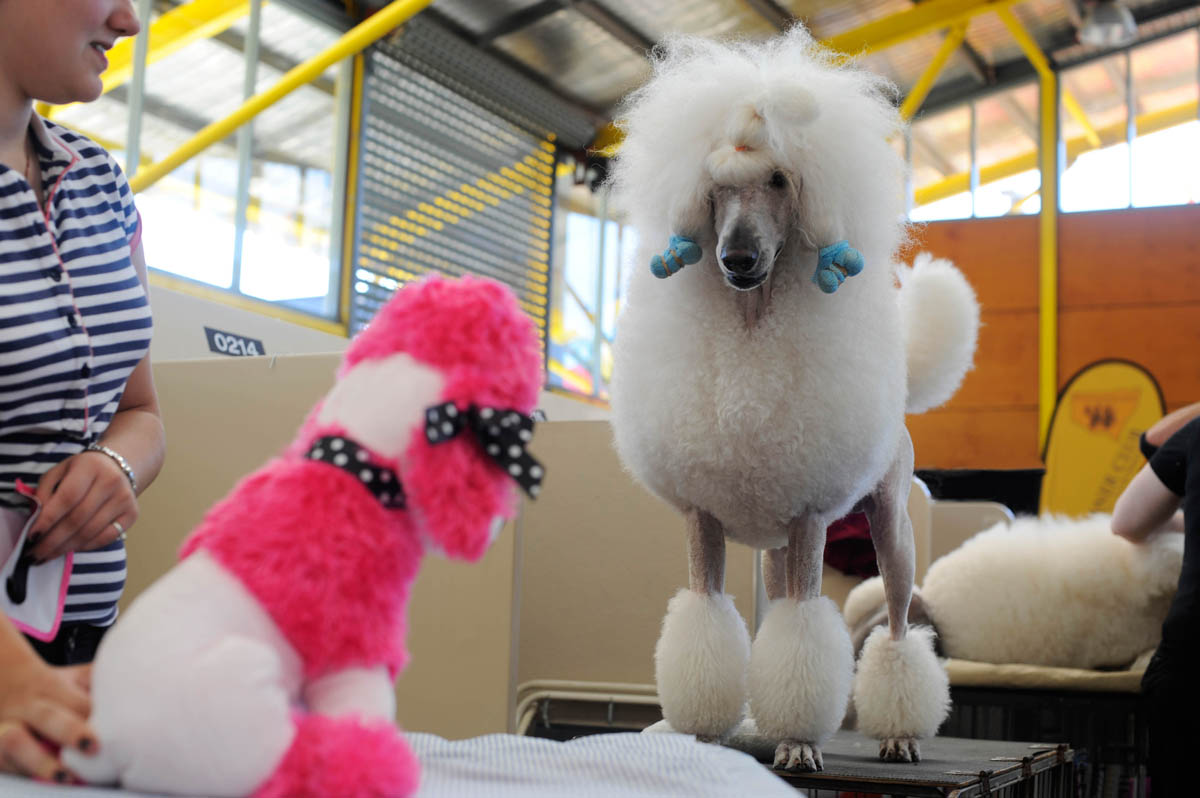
949,766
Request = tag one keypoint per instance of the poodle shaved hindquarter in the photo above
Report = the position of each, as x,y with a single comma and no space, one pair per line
765,403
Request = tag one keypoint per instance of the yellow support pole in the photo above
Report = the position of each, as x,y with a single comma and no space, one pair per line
352,42
1048,227
1048,260
920,89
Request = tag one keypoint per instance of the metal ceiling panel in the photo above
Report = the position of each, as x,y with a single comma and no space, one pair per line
480,16
577,57
830,19
712,18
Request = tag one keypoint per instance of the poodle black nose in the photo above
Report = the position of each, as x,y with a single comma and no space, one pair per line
739,261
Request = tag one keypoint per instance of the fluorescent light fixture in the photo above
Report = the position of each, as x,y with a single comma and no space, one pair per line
1108,23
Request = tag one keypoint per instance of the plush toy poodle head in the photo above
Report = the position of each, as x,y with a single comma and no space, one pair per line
438,362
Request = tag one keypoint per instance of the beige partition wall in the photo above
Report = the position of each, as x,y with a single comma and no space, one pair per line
600,557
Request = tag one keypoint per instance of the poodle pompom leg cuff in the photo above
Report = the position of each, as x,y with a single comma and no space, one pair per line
901,692
801,669
700,664
345,757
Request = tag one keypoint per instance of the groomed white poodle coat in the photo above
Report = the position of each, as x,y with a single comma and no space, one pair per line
762,373
1055,591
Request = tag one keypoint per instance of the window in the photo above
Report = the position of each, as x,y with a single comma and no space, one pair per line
591,254
287,210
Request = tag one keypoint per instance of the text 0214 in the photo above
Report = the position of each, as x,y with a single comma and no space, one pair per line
226,343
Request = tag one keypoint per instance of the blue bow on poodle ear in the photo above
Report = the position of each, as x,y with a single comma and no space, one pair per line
681,251
835,263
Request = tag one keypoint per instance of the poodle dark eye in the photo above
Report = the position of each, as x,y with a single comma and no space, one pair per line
778,180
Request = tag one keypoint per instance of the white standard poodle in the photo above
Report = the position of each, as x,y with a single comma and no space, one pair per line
763,367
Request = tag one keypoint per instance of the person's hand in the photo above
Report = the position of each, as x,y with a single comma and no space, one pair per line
81,499
43,709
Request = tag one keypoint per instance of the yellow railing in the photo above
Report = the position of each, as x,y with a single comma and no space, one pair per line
352,42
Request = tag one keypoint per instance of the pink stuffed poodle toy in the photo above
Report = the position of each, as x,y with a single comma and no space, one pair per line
263,663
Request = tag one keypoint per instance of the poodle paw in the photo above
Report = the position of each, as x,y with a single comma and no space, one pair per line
798,755
700,664
900,749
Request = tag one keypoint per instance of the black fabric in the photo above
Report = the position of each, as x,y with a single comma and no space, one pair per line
1148,448
1177,464
1019,489
1172,693
75,644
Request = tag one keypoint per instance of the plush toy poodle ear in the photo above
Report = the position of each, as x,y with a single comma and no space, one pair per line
460,485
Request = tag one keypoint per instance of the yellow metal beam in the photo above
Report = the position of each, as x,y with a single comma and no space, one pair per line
351,43
927,17
1076,110
1036,57
1107,136
923,18
920,89
174,30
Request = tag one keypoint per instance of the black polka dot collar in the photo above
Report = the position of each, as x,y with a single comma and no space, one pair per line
347,455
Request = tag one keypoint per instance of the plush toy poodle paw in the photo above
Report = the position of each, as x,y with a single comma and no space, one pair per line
700,664
901,692
801,668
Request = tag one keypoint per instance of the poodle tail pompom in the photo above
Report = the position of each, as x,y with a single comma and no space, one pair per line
941,325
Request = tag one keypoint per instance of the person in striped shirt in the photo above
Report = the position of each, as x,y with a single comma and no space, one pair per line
79,417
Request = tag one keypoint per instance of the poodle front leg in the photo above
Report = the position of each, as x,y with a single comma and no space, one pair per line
700,660
801,665
901,691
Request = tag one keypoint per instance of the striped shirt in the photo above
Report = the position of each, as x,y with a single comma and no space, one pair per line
74,322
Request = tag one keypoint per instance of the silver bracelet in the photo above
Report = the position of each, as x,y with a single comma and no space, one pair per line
119,460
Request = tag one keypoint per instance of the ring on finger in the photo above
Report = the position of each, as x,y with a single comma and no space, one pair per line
120,531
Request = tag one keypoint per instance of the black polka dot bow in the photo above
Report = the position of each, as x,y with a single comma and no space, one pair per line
356,461
503,435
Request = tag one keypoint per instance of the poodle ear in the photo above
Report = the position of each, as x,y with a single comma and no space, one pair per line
691,215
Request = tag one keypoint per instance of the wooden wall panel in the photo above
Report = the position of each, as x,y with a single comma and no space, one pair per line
1148,256
1165,340
976,438
999,256
986,423
1129,287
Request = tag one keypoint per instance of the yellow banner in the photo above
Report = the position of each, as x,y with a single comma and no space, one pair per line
1092,449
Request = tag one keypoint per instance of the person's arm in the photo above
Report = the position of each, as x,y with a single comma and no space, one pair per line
1169,424
83,495
38,699
1145,506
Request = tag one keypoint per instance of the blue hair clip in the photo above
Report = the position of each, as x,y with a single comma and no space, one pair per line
835,263
681,251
